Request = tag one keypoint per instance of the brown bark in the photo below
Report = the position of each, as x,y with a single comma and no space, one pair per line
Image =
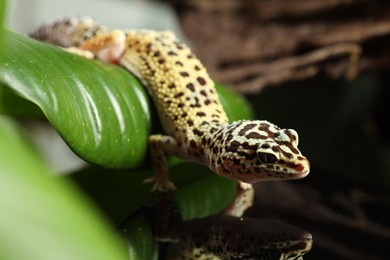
253,44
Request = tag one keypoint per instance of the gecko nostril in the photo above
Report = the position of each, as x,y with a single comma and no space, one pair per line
299,167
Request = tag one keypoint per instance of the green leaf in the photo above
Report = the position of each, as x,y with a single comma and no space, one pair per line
2,13
43,217
99,109
121,193
236,106
205,196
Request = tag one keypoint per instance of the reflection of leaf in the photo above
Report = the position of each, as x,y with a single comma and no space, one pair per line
120,193
43,217
99,109
141,242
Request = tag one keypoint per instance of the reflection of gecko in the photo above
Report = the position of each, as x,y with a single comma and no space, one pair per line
227,237
196,125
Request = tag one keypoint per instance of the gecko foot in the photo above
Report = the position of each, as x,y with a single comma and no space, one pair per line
243,200
162,185
79,52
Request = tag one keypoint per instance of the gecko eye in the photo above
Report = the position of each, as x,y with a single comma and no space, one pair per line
267,158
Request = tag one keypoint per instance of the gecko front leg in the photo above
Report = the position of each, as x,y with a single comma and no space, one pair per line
108,47
243,200
160,146
79,52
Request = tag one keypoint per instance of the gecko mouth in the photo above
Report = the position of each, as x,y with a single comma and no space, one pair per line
304,174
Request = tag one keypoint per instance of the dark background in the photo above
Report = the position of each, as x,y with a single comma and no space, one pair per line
321,68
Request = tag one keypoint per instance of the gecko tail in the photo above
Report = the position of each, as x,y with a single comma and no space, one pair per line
68,31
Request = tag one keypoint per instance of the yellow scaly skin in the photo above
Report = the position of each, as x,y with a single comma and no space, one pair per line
197,128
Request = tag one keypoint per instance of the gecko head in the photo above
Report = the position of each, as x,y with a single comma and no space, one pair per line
252,151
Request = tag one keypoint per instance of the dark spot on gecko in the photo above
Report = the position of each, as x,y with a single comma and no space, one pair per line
175,117
233,147
255,135
247,146
201,81
219,161
246,128
264,127
236,161
286,154
161,61
193,143
197,132
293,149
197,68
201,114
180,104
275,149
190,86
190,56
300,158
265,146
156,54
212,162
291,165
171,86
184,74
178,95
203,93
184,114
190,122
179,63
178,45
172,53
207,102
